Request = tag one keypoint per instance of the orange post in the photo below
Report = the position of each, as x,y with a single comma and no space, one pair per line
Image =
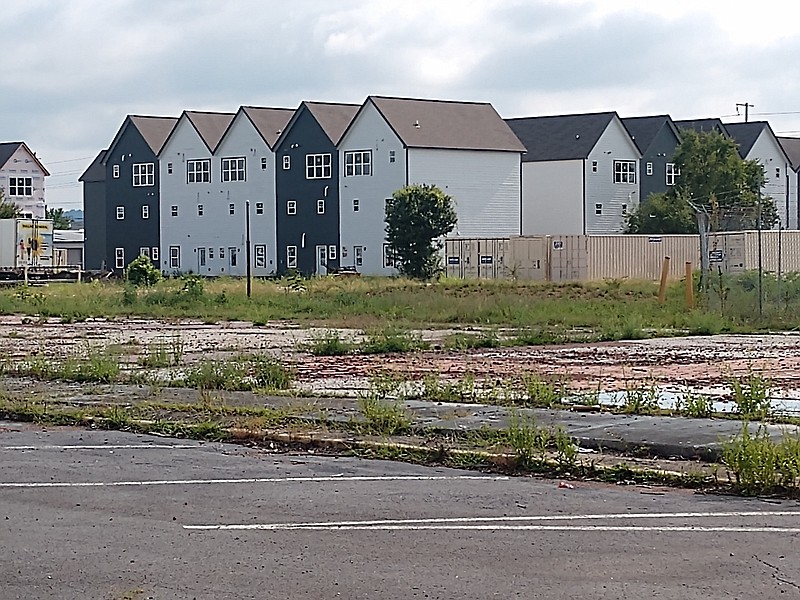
662,289
689,287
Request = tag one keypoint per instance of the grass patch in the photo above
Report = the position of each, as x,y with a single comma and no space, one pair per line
385,417
329,343
761,465
392,339
243,373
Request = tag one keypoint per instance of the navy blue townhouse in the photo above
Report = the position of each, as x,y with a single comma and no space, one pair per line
657,137
94,213
307,187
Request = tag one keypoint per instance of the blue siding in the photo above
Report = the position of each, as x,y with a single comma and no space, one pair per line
659,153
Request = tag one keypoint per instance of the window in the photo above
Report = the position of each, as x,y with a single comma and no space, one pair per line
291,207
291,257
222,252
154,253
594,166
232,256
201,257
358,163
173,210
624,171
232,208
144,251
777,172
320,207
391,156
358,253
198,171
120,213
259,208
169,168
318,166
332,252
287,162
649,168
263,168
143,174
233,169
388,258
119,258
210,254
598,209
672,173
175,257
145,211
624,209
356,204
116,171
260,251
199,210
20,186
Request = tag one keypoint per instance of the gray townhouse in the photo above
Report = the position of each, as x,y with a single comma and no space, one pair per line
656,137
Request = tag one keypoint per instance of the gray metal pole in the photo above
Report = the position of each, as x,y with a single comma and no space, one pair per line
247,246
760,263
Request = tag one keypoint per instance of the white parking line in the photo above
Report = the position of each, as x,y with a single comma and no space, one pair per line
587,528
331,478
106,447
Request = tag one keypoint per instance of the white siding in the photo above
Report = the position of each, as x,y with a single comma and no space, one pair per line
767,151
22,164
484,185
552,197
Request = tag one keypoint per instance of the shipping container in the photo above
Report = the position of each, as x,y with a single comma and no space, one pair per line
476,258
26,242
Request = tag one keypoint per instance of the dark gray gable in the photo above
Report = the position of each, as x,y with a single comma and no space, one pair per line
96,171
643,130
791,146
560,137
745,134
703,125
7,150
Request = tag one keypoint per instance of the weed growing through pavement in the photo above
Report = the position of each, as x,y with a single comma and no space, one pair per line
751,395
469,341
695,405
761,465
329,343
641,400
242,373
541,393
382,416
392,339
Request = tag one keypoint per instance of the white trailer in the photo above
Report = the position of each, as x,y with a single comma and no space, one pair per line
26,243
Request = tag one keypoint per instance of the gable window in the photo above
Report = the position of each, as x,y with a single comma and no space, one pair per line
169,168
598,209
291,207
174,257
291,257
287,162
119,258
145,211
649,168
116,171
318,166
320,207
233,169
391,156
198,171
263,168
358,162
199,210
594,166
173,210
624,171
259,208
232,208
672,173
120,213
143,174
20,186
356,204
777,172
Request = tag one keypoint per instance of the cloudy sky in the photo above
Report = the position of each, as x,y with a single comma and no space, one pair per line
73,69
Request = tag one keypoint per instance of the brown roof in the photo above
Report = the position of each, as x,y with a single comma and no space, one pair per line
791,146
447,124
154,130
333,117
210,125
269,122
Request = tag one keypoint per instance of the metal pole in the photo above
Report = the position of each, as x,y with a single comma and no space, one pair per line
780,260
247,246
760,263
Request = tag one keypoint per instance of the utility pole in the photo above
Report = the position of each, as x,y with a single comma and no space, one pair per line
747,108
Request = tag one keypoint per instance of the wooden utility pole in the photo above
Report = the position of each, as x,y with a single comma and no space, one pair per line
747,108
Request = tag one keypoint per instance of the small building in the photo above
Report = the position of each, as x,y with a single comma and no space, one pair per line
22,179
68,247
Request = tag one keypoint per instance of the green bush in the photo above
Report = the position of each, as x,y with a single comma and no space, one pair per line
142,272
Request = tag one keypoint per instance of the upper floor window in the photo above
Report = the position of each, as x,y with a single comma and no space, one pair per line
672,173
233,169
356,204
169,168
259,208
145,211
120,213
173,210
263,168
232,208
318,166
20,186
649,168
200,209
624,171
594,166
391,156
143,174
358,162
287,162
116,171
320,207
198,171
291,207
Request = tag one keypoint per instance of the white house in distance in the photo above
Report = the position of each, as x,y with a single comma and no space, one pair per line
579,175
22,179
464,148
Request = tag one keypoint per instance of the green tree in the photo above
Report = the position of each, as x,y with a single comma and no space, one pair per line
60,221
141,271
8,210
713,177
417,217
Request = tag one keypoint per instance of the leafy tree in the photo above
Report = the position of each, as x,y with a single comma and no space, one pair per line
714,178
60,220
417,216
141,271
8,210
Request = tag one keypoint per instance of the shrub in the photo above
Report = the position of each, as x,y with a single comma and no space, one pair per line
142,272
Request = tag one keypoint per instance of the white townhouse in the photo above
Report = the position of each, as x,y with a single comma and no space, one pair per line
22,179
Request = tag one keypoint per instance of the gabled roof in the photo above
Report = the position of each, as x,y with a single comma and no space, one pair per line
791,146
154,131
269,122
333,117
560,137
644,130
210,126
7,150
703,125
96,171
444,124
746,134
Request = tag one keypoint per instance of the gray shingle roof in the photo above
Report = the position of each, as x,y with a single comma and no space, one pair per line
210,125
269,122
7,150
95,171
154,130
703,125
333,117
644,130
446,124
791,146
560,137
745,134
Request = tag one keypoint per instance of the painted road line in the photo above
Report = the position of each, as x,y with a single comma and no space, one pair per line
502,519
584,528
107,447
326,479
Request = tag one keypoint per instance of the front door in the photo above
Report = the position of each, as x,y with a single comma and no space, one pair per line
322,260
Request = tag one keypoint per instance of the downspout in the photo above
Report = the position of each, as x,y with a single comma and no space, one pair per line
583,183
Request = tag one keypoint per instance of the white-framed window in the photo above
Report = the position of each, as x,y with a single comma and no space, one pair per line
624,209
332,252
598,209
672,173
392,156
388,258
594,166
232,256
144,251
318,166
287,162
119,258
198,171
169,168
20,186
291,257
777,172
115,171
145,211
232,208
173,210
260,255
358,254
291,207
356,204
263,168
210,254
320,207
143,174
233,169
154,253
222,252
174,257
120,213
200,210
624,171
649,168
259,208
357,163
201,257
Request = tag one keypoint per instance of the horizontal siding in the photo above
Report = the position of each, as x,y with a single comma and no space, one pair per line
552,197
